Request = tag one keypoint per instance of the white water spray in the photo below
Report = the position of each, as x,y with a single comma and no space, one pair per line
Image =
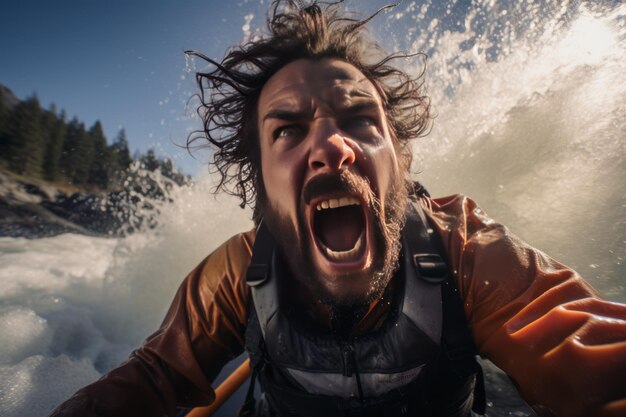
72,307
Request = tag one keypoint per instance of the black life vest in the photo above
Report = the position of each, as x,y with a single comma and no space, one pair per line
421,362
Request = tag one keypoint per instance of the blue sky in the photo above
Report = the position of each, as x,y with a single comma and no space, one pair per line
121,62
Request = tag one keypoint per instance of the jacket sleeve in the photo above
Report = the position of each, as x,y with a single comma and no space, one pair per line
203,330
535,318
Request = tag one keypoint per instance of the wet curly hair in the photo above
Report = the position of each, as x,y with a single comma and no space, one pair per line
229,93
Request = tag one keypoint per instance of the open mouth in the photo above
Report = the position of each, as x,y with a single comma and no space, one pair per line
339,229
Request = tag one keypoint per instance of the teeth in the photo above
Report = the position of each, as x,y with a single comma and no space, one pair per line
337,202
341,255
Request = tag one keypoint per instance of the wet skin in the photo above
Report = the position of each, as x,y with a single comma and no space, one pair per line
320,118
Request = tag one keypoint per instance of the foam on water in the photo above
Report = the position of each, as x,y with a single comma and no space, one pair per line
530,101
72,307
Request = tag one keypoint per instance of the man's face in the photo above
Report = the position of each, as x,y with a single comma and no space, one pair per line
334,194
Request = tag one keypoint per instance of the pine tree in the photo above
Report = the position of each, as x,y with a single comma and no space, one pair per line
55,127
69,146
99,173
24,139
121,151
150,161
77,154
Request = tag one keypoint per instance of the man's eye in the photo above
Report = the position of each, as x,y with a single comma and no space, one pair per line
358,122
290,131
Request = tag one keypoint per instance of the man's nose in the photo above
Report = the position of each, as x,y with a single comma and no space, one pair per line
330,151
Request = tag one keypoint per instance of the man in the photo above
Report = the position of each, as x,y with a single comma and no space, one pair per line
357,294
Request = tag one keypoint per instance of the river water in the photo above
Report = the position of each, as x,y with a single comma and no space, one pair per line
531,122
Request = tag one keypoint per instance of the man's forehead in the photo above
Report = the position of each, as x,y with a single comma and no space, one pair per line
330,80
340,70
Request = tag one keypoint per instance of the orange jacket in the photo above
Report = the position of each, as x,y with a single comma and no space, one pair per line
533,317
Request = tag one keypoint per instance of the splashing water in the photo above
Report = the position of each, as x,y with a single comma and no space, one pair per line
72,307
530,102
530,99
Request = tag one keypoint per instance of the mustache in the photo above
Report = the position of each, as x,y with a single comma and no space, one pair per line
342,182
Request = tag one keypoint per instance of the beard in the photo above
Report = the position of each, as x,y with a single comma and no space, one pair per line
295,245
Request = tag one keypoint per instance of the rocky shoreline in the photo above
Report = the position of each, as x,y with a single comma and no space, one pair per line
33,210
37,210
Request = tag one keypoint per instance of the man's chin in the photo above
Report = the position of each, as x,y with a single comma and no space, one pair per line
344,287
352,299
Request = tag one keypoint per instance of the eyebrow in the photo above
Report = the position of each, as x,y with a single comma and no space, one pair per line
292,116
362,105
282,114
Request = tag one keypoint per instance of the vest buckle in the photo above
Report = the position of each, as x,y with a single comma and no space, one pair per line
257,274
430,267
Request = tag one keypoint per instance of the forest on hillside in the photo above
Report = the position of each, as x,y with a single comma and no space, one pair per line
40,144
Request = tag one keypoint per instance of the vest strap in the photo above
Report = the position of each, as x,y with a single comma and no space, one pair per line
259,277
457,341
427,261
259,269
424,272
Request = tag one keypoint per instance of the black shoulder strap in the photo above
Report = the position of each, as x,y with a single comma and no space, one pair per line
259,269
424,271
457,342
259,277
425,258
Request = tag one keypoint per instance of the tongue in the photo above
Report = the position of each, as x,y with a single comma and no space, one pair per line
339,228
